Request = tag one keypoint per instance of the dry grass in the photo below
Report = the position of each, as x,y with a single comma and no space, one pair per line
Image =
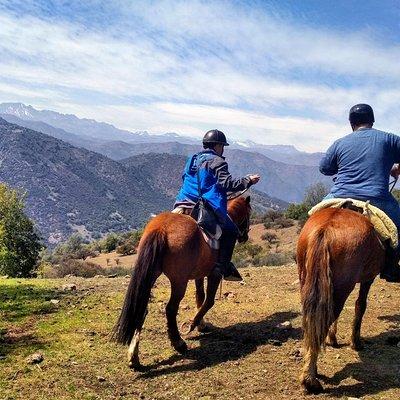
239,360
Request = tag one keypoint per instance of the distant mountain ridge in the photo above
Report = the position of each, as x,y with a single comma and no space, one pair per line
89,129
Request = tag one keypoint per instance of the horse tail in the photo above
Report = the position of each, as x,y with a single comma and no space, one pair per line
147,269
317,291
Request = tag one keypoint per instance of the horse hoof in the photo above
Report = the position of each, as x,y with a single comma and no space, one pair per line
333,343
357,346
205,327
312,386
186,328
180,346
135,364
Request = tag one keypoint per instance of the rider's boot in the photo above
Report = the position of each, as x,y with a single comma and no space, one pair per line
224,264
391,270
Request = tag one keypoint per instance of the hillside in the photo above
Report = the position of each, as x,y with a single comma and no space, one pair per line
248,355
279,180
72,189
164,172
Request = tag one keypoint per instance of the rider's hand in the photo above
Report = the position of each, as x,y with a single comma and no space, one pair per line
254,179
395,171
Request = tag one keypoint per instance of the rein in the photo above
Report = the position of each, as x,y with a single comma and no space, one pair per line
393,183
246,229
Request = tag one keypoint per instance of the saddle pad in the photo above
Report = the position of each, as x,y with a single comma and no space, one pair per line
384,226
211,240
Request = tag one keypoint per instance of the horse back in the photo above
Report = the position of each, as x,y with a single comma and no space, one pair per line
355,251
187,253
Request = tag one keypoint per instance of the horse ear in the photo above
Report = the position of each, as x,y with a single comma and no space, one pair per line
247,199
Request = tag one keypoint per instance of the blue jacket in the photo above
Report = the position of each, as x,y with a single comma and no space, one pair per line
215,182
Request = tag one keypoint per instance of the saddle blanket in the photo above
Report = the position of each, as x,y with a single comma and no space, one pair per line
211,240
383,224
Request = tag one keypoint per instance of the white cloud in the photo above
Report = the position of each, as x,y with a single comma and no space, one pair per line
192,65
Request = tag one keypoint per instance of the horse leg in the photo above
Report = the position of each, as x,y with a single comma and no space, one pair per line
332,339
200,297
309,375
213,281
133,351
178,290
361,305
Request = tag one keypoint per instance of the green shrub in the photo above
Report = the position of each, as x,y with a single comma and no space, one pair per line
269,237
20,243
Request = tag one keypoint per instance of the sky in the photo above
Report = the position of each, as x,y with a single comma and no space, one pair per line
274,72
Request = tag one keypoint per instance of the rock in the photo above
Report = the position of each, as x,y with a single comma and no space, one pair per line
285,325
229,295
35,358
128,276
98,276
54,301
353,398
112,276
101,379
296,353
338,356
69,287
275,342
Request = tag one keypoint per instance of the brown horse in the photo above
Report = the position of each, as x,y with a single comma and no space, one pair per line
337,249
173,244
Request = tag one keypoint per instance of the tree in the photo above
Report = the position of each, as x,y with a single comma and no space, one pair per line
315,194
19,241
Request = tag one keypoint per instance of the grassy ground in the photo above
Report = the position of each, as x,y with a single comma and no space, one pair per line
246,357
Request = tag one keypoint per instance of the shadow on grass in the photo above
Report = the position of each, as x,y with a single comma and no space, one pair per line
378,369
19,305
228,344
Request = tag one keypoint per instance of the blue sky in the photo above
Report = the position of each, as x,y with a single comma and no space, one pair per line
275,72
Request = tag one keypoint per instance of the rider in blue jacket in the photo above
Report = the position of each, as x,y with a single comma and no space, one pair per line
363,162
215,182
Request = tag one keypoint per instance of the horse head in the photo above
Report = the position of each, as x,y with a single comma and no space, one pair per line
239,210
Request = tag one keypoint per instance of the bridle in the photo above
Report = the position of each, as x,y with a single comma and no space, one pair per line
242,233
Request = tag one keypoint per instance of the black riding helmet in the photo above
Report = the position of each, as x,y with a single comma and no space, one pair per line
215,137
361,114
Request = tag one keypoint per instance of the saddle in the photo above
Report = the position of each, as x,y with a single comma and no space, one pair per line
212,239
384,226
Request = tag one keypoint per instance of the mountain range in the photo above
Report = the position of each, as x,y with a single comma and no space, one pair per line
70,189
91,177
96,136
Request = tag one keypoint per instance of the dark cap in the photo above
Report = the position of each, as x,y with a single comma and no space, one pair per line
215,137
361,114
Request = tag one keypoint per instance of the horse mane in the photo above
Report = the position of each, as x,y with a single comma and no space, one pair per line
237,207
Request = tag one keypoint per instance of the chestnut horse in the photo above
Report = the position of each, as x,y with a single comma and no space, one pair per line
337,248
173,244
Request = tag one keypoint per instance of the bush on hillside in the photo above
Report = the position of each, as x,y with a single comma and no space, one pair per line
130,244
20,243
269,237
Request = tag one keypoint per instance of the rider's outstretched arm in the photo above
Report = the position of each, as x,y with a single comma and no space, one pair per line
219,169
